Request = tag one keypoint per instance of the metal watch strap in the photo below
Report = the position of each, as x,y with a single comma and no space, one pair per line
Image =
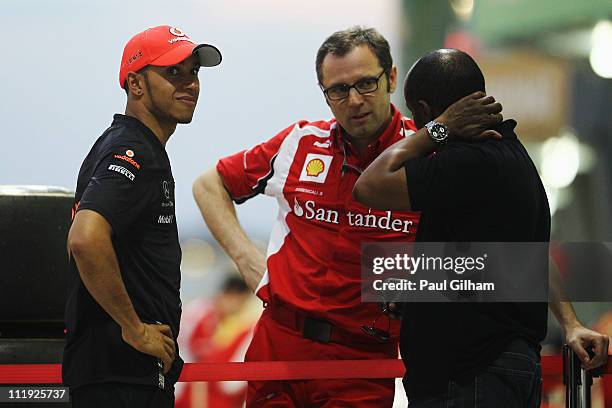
437,132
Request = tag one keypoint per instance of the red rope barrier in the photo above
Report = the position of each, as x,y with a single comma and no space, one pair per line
31,374
257,371
293,370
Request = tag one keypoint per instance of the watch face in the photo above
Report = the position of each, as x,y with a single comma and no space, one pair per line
438,132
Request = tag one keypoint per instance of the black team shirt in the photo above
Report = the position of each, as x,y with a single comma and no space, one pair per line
126,177
472,192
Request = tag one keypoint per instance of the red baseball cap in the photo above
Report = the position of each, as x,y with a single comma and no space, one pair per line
163,46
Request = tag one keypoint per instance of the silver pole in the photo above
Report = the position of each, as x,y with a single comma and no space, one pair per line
571,377
585,389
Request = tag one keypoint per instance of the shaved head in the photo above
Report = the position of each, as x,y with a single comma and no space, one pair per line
441,78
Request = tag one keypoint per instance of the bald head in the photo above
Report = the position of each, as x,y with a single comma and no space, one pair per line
442,77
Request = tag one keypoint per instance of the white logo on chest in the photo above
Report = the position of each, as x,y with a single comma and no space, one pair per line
382,222
324,145
314,213
165,219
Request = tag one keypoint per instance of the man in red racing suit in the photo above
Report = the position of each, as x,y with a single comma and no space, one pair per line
310,278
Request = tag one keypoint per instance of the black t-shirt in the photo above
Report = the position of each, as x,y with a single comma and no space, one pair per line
126,177
472,192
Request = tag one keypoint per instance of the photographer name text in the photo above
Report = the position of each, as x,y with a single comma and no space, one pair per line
425,285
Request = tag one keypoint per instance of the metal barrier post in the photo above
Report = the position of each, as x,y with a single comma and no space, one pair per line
585,390
577,381
571,377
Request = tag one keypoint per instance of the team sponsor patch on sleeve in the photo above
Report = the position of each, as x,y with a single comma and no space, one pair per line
128,157
122,170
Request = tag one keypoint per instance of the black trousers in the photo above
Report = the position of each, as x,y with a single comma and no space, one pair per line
512,380
121,395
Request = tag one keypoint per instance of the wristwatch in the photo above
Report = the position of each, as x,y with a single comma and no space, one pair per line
437,131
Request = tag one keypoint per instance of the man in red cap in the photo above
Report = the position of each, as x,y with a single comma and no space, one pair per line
123,309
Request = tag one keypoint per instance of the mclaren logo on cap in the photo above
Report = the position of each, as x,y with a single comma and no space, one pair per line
177,31
179,36
316,167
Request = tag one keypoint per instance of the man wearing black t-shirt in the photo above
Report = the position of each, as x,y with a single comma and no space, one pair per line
470,354
123,309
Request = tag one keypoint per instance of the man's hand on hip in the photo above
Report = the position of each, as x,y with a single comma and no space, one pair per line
153,339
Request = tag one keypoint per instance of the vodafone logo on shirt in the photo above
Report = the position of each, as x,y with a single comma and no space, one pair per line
316,167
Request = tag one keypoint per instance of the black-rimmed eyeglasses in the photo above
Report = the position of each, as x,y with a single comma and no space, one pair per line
363,86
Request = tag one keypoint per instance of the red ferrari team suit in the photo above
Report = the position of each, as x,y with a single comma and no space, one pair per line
312,285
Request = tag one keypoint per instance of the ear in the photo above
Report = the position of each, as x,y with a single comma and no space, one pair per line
424,109
135,83
393,79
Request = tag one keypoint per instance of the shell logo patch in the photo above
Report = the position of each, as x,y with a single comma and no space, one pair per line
316,167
